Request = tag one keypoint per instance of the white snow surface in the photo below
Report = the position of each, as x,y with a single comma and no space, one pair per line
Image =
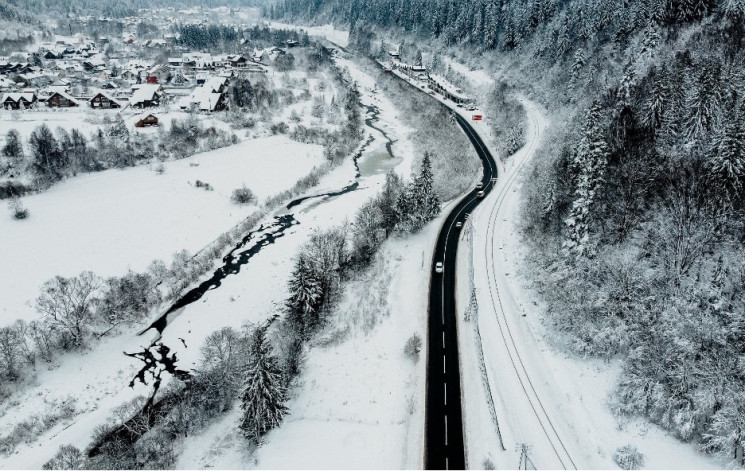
116,220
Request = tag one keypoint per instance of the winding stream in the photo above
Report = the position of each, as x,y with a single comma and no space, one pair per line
250,245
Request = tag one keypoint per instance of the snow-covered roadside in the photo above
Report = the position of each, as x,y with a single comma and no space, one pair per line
570,395
116,220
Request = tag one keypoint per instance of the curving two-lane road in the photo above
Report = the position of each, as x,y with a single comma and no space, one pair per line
444,447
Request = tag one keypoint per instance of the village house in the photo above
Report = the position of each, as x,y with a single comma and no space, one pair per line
60,99
146,119
161,71
104,101
146,95
18,101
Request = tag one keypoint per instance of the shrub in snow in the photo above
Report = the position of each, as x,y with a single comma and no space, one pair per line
488,464
243,195
160,169
628,457
17,210
205,185
413,347
280,128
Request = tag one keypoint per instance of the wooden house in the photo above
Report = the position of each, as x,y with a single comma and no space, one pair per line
104,101
60,99
146,96
18,101
146,119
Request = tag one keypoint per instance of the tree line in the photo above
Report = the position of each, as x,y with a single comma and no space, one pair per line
49,156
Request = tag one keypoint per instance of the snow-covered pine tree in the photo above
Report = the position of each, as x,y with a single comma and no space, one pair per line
577,66
387,201
491,24
727,164
429,202
263,397
588,165
702,96
306,295
656,102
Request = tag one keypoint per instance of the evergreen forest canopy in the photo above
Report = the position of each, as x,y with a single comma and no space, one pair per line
635,207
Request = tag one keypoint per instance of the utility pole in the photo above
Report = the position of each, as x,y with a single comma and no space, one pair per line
525,462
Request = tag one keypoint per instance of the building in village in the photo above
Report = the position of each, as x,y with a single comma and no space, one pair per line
104,101
145,120
19,101
447,90
146,95
60,99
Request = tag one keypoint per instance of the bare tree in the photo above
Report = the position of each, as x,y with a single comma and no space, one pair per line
67,304
67,457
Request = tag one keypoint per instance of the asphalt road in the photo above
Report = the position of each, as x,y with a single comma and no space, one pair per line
444,446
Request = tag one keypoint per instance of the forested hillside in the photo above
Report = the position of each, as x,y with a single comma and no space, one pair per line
634,209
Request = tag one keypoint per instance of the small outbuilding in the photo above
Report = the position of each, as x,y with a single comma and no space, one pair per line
145,120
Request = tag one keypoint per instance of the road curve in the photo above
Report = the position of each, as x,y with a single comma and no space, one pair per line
444,446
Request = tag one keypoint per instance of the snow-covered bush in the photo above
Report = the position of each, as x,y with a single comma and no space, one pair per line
628,457
243,195
413,347
17,210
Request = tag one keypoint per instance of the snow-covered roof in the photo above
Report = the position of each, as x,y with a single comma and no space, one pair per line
447,86
203,97
145,92
214,83
109,97
17,96
67,96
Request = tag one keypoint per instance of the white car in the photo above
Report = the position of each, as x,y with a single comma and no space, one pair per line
479,185
458,225
438,267
480,194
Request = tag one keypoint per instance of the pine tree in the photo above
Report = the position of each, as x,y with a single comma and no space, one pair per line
387,201
428,202
656,102
577,66
263,397
588,165
46,158
727,165
651,39
306,296
13,149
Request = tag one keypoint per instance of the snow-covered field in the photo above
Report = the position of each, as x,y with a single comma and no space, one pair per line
116,220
